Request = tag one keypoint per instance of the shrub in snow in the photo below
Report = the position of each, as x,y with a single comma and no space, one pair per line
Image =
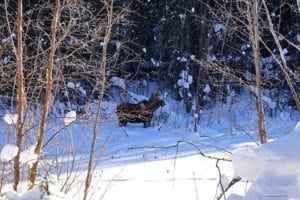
70,117
10,118
8,152
45,190
273,168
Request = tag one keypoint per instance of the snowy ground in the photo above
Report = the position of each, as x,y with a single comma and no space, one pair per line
137,163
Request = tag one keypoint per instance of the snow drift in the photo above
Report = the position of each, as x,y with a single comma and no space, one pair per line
273,168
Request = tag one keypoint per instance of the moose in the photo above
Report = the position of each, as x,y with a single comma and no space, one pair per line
141,112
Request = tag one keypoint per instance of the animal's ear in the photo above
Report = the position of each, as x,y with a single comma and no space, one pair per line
154,95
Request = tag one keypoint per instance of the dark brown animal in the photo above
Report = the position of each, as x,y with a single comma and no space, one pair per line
141,112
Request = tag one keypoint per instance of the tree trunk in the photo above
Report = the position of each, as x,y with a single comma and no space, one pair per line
48,95
100,83
21,96
253,15
283,63
203,51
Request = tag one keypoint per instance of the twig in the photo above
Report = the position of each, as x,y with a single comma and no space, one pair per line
232,183
220,181
176,146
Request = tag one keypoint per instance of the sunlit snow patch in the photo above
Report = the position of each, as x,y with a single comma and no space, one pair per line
8,152
10,118
28,157
70,117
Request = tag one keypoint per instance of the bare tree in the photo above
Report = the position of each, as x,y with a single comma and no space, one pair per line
282,62
254,35
101,84
49,88
21,96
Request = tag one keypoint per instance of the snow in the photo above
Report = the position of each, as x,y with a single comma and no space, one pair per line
71,85
155,62
207,89
298,36
28,157
118,44
185,80
243,163
70,117
182,16
82,90
273,168
268,101
36,193
10,119
118,82
211,58
6,60
8,152
182,59
219,28
134,162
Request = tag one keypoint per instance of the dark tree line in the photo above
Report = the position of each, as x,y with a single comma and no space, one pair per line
198,49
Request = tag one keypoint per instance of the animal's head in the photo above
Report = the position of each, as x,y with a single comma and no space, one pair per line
155,98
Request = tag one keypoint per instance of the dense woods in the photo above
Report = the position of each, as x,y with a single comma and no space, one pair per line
200,50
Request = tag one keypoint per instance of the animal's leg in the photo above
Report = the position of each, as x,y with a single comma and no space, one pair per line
147,124
122,123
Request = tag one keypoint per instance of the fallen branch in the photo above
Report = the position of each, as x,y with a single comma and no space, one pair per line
177,146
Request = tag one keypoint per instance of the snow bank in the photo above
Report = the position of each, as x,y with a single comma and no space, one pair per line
8,152
273,168
46,189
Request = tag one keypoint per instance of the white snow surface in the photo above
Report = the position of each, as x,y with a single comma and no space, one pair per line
137,163
8,152
273,168
36,193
